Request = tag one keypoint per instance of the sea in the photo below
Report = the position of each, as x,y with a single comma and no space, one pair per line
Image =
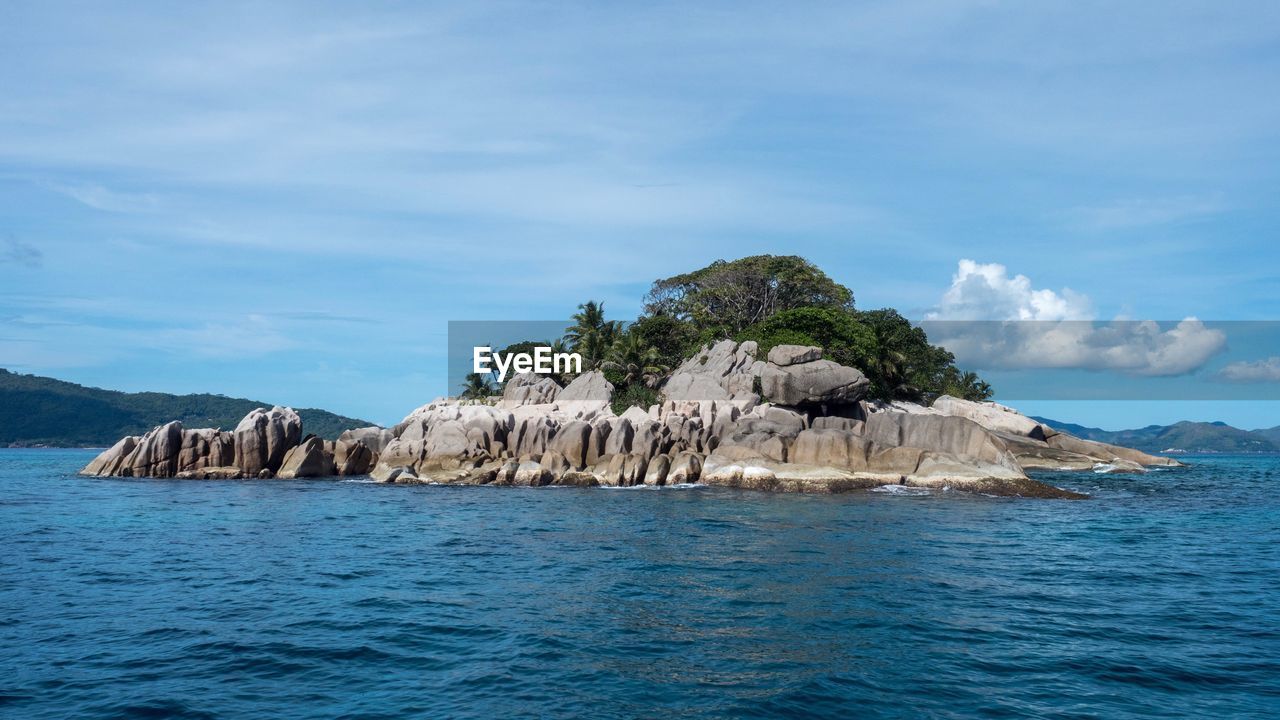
1157,597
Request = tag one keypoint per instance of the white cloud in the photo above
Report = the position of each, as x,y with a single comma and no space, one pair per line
100,198
1257,371
990,320
986,292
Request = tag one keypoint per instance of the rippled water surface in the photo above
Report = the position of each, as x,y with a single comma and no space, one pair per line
287,599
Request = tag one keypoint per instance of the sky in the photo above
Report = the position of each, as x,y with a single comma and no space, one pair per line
289,202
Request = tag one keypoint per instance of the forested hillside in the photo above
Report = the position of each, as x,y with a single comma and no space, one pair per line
38,410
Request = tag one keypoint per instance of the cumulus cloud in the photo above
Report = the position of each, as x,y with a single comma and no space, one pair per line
991,320
1257,371
986,292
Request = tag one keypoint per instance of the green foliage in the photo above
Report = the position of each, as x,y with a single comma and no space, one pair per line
905,366
836,330
635,361
672,339
724,298
477,386
637,395
963,384
43,411
591,335
895,355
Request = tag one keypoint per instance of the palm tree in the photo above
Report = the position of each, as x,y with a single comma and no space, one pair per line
477,386
635,360
892,368
966,385
591,335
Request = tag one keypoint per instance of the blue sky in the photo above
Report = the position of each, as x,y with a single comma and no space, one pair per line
290,202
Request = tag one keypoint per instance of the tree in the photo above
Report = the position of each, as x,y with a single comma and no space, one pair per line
634,361
843,338
591,335
965,385
905,366
672,339
477,386
725,298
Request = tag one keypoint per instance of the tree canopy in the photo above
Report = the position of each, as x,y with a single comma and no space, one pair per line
725,297
773,300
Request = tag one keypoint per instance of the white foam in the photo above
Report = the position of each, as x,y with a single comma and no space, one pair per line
901,490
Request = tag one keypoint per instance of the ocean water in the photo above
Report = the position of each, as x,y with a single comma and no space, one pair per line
122,598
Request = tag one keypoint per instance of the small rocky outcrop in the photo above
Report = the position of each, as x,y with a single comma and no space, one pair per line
264,444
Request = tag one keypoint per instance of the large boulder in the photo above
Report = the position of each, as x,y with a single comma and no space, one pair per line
375,438
529,389
573,443
818,382
589,386
990,415
783,355
157,452
686,467
724,372
264,436
356,452
204,448
958,437
115,459
587,396
307,460
353,458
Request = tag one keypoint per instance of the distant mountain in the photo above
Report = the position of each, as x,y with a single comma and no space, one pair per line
1272,434
38,410
1192,437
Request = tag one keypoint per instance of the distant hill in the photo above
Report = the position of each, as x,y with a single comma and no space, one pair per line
1193,437
38,410
1272,434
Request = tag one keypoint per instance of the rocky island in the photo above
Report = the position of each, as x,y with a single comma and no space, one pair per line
790,421
755,373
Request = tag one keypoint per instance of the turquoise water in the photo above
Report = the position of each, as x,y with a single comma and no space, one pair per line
124,598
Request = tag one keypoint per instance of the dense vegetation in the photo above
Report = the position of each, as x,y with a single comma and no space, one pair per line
773,300
38,410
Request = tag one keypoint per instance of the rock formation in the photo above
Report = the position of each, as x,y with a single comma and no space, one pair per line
263,437
794,422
